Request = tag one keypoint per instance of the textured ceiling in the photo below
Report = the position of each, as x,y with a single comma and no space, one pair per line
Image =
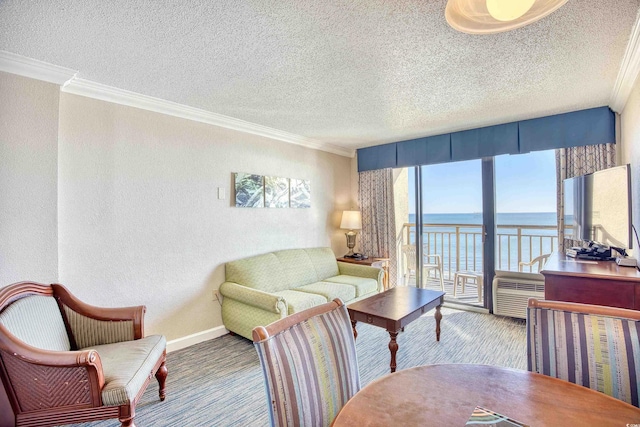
349,73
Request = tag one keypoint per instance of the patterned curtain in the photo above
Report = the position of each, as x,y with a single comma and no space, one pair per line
575,161
378,236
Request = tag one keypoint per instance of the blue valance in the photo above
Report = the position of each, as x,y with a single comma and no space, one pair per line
585,127
432,149
484,142
377,157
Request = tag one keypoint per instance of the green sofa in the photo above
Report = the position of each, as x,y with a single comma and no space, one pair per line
264,288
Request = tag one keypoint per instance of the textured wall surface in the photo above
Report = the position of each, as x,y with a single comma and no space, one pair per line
139,217
28,180
352,73
630,126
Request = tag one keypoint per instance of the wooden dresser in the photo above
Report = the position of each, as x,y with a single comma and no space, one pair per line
591,282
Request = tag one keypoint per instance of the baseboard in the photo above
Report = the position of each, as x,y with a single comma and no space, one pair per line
466,307
196,338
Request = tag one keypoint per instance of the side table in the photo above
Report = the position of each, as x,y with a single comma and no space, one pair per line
382,263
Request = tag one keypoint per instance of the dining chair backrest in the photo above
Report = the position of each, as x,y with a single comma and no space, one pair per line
309,364
589,345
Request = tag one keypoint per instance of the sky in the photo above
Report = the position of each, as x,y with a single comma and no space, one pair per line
524,183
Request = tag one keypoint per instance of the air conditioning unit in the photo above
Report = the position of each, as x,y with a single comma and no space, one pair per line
511,291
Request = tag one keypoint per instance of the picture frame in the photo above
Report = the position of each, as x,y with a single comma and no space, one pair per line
300,193
249,190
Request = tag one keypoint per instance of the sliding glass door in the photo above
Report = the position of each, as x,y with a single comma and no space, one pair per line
464,220
446,231
526,210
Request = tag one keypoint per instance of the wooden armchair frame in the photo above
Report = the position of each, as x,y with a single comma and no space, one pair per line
25,402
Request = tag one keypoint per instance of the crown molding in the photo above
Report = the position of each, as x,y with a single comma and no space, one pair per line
27,67
65,77
629,70
124,97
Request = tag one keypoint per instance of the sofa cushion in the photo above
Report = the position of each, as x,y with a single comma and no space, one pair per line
324,262
37,321
330,290
297,266
363,285
298,301
264,272
126,366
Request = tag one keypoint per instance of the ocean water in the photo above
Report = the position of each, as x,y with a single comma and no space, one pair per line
443,233
527,218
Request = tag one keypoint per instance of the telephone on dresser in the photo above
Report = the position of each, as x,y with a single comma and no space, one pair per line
356,256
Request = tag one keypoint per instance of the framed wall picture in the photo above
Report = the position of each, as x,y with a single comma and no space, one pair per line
276,192
300,193
249,190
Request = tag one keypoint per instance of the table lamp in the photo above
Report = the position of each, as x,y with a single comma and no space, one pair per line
351,220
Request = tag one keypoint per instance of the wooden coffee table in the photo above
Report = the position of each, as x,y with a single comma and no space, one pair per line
394,309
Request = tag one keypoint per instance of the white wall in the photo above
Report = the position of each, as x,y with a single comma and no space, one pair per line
120,204
28,180
630,150
139,218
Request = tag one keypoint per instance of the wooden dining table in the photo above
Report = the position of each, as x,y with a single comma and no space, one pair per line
446,395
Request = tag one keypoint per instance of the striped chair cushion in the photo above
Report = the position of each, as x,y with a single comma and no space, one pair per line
599,352
310,370
37,321
89,332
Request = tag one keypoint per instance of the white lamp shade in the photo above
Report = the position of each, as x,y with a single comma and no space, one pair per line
487,17
351,220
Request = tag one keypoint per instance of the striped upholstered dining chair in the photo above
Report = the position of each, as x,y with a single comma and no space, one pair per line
309,364
590,345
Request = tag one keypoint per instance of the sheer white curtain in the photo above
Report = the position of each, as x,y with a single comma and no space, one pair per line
575,161
378,237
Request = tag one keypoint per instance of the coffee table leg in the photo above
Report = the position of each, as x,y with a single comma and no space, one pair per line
393,347
438,317
355,333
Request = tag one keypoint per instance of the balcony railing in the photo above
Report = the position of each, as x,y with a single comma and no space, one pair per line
460,245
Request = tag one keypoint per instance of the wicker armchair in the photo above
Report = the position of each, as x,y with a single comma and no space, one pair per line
63,361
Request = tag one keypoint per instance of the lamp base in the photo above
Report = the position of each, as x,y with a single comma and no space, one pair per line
351,242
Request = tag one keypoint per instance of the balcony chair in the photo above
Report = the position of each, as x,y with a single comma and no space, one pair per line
538,261
590,345
434,263
309,364
63,361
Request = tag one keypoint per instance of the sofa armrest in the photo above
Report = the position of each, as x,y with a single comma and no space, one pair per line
254,297
91,325
366,271
42,371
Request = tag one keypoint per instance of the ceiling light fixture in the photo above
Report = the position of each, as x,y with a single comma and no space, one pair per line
496,16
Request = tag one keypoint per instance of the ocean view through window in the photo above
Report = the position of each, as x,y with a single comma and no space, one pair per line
537,228
525,206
